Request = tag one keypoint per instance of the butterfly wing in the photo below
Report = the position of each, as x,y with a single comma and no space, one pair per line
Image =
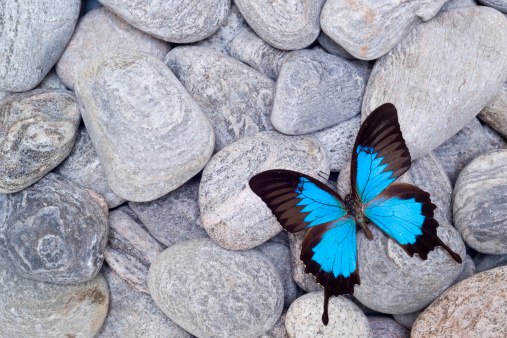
380,154
405,213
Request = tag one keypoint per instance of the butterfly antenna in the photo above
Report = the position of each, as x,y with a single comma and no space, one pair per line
326,180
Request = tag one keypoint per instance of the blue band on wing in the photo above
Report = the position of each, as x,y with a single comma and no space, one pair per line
371,178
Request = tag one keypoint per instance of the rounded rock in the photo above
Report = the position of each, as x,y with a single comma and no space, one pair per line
495,112
500,5
387,327
488,262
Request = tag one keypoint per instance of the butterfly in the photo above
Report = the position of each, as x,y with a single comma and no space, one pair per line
403,211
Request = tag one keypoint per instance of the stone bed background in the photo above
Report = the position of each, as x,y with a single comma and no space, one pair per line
182,109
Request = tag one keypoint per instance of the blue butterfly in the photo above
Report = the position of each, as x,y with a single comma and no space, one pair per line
403,211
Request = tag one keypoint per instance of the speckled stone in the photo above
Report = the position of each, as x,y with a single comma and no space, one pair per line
33,37
332,47
109,33
142,123
477,306
278,330
488,262
304,318
52,231
420,88
37,131
500,5
316,90
174,217
386,327
134,314
495,112
369,29
235,97
31,308
233,216
175,21
305,281
286,25
213,292
479,203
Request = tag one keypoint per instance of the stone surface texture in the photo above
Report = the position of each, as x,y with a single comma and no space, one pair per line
233,216
305,281
477,306
479,204
101,31
278,330
420,88
495,139
488,262
468,269
33,38
37,131
500,5
369,29
213,292
332,47
149,134
51,81
387,327
235,97
174,21
495,112
407,319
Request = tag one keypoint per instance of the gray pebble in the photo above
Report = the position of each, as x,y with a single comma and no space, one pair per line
235,97
233,216
213,292
468,269
387,327
495,112
109,33
37,131
495,140
488,262
174,217
407,319
332,47
457,4
31,308
51,81
315,90
174,21
286,25
143,124
52,231
480,200
305,281
500,5
278,330
369,29
33,37
420,88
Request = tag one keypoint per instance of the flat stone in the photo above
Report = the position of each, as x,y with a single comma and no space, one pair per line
480,203
495,112
286,25
387,327
304,318
316,90
332,47
249,48
235,97
142,123
278,330
31,308
174,217
181,21
52,231
420,88
34,36
37,131
477,306
407,320
210,291
233,216
109,33
369,29
488,262
130,250
134,314
500,5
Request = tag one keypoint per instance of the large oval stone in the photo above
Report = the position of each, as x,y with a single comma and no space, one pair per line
213,292
420,87
149,134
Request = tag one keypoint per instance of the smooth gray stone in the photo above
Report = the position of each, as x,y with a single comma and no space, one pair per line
495,140
280,256
468,269
459,150
316,90
83,167
149,134
233,216
339,141
304,318
421,88
500,5
387,327
480,203
407,319
368,29
488,262
278,330
33,37
213,292
174,217
249,48
282,238
109,33
235,97
174,21
495,112
31,308
51,81
332,47
53,231
37,131
456,4
134,314
284,24
305,281
130,250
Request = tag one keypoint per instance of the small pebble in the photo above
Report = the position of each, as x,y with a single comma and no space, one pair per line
495,112
385,327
